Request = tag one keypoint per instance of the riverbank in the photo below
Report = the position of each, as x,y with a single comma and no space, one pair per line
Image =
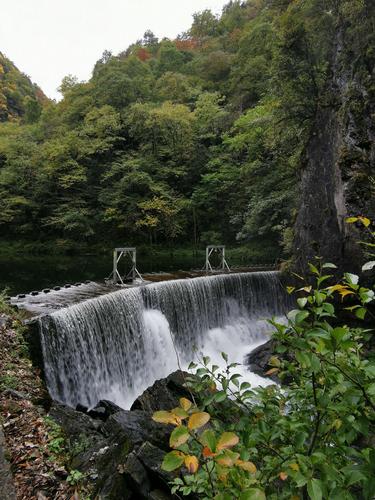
34,466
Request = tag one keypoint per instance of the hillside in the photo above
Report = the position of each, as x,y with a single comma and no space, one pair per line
19,97
198,139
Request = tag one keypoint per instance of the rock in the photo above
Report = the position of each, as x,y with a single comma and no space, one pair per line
136,476
103,410
258,359
5,321
35,292
159,495
57,288
138,427
73,422
112,483
15,394
7,490
46,290
152,458
164,394
82,408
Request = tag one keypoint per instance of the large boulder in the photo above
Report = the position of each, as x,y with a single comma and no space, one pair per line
137,426
163,394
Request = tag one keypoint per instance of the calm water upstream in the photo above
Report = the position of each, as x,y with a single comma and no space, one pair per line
26,273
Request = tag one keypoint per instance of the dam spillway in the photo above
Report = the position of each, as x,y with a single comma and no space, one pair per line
116,345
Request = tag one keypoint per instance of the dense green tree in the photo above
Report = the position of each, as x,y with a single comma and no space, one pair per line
206,131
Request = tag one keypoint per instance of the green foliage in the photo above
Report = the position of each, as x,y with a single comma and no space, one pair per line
213,123
75,477
311,438
18,95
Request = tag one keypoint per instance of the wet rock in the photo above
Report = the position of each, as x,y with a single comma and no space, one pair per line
258,359
152,457
103,410
138,427
73,422
164,394
82,408
136,476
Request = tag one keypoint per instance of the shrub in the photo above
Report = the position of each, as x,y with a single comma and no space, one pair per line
310,438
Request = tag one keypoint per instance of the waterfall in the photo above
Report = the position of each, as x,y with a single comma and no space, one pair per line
116,345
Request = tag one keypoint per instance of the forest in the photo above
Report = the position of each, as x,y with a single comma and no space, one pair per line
254,129
196,140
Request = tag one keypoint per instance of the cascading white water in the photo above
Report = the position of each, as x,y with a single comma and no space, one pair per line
115,346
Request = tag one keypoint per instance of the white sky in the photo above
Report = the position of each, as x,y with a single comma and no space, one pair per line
49,39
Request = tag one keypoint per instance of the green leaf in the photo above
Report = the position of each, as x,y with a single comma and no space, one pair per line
208,438
220,396
301,316
302,302
303,359
314,489
252,494
351,278
313,269
224,356
179,436
361,313
329,265
368,266
172,461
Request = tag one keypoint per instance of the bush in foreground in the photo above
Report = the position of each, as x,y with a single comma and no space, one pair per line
312,438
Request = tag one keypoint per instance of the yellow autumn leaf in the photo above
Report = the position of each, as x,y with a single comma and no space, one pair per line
336,288
164,417
344,293
272,371
227,459
294,467
191,463
274,361
227,440
365,221
185,404
247,466
198,420
351,220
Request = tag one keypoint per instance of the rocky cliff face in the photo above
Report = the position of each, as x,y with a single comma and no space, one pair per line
338,177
